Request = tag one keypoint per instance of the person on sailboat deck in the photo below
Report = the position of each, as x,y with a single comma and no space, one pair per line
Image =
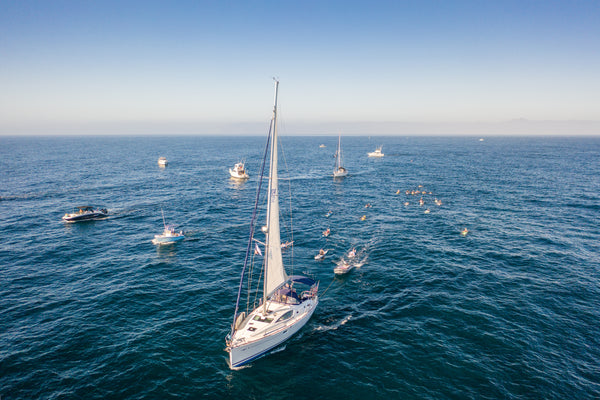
287,295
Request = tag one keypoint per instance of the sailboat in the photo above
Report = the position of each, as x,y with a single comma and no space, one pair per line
339,171
287,302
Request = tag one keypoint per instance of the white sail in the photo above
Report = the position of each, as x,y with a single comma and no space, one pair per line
275,274
338,160
339,170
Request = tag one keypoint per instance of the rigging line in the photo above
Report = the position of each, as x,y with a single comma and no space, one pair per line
289,181
283,128
325,291
252,223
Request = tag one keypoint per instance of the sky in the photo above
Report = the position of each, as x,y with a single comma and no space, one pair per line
359,67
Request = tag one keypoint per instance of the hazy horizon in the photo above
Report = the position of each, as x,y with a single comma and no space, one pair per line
386,67
358,128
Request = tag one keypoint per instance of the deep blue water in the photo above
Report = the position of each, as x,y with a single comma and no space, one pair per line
511,310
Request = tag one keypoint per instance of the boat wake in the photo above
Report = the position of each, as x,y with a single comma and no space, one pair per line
335,326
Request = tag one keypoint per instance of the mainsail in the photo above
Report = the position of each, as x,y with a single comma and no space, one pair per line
275,274
338,154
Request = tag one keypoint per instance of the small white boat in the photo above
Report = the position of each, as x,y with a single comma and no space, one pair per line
238,171
343,268
162,161
321,254
339,171
322,146
169,235
85,213
376,153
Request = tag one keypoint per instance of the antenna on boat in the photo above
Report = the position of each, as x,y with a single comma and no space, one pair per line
163,215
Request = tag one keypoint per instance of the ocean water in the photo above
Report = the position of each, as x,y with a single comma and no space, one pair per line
511,310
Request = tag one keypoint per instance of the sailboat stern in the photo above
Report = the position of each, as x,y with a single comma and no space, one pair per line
270,325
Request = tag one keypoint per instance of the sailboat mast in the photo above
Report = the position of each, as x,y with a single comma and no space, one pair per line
339,152
272,203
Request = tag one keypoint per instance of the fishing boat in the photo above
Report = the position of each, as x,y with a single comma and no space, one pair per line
169,235
162,161
85,213
339,171
238,171
287,302
376,153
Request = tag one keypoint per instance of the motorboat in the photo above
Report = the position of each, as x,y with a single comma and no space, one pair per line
169,234
85,213
376,153
288,301
343,268
162,161
238,171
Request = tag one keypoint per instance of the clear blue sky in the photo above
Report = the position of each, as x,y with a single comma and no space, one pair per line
206,66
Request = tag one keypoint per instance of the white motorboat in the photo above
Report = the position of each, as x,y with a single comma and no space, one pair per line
376,153
169,235
339,171
239,171
162,161
343,268
287,302
85,213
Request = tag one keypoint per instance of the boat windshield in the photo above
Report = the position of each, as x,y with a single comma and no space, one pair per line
286,295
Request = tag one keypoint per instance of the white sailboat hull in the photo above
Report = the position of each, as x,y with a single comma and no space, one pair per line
246,347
